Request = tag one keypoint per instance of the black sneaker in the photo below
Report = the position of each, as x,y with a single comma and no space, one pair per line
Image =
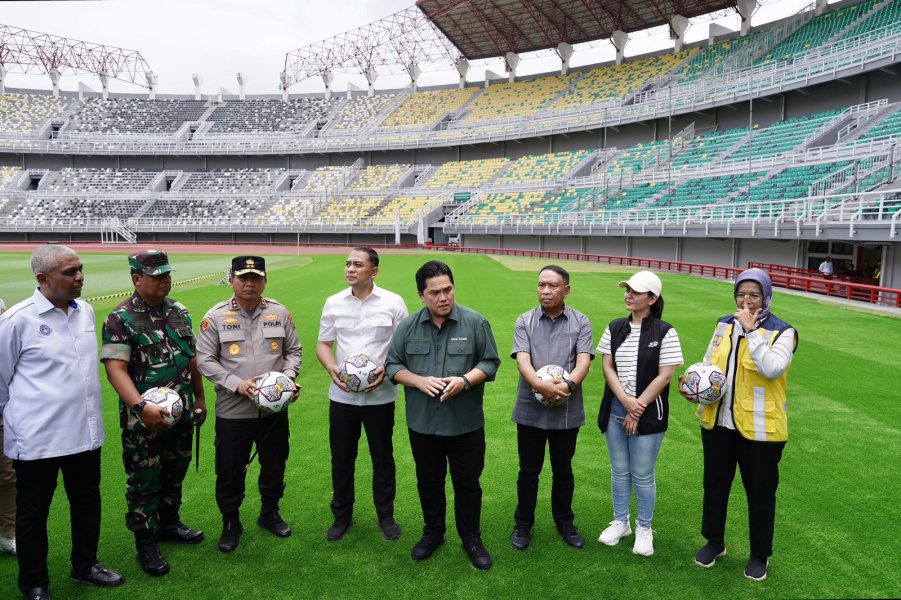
706,556
478,554
521,537
571,536
756,569
426,547
390,529
338,530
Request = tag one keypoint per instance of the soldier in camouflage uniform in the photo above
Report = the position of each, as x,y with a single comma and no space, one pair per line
240,340
147,343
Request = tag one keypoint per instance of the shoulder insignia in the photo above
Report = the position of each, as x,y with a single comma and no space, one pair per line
204,325
234,304
263,303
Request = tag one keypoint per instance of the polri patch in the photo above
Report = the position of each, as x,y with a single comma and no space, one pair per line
204,325
234,349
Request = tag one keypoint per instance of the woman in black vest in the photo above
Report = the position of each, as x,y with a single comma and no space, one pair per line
641,353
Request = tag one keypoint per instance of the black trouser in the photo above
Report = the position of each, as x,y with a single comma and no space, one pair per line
759,465
345,421
561,446
465,454
35,484
234,440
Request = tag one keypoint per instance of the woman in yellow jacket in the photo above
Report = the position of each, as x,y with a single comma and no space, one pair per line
749,426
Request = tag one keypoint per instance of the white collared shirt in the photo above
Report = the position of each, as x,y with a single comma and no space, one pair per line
49,380
362,327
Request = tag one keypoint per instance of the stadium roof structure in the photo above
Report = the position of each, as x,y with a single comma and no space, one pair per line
434,34
24,51
489,28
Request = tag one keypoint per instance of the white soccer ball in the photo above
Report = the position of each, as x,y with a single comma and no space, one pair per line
274,392
550,372
703,383
357,372
168,399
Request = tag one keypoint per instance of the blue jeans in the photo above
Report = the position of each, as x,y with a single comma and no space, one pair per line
632,461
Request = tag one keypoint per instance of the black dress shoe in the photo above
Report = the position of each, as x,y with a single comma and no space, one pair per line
521,537
180,533
37,593
390,528
571,536
274,523
151,559
426,547
478,555
338,530
231,535
99,575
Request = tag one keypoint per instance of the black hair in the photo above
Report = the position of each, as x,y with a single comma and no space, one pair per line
559,271
373,255
657,307
433,268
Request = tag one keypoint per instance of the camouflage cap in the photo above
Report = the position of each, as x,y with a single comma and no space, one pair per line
151,262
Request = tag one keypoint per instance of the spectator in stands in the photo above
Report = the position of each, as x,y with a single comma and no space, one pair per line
7,491
826,267
550,334
749,426
641,353
51,403
877,272
443,355
361,320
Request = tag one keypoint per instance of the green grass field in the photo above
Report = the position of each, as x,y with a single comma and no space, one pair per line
838,503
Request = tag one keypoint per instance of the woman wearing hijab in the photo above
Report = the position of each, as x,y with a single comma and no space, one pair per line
748,427
641,353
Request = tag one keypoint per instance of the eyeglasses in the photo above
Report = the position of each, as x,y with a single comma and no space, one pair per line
751,297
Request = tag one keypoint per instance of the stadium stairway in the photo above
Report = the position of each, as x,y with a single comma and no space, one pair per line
870,124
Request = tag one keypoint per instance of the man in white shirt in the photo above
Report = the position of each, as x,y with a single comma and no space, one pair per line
826,267
44,340
361,319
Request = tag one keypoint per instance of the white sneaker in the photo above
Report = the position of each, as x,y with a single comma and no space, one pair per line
8,545
644,541
613,534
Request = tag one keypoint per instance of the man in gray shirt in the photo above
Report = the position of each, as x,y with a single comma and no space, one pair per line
550,334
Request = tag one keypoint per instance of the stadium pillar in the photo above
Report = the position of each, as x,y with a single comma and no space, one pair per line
746,9
414,71
679,25
714,30
565,52
104,84
511,61
54,78
2,79
462,68
327,78
242,81
197,81
152,80
620,39
283,85
371,75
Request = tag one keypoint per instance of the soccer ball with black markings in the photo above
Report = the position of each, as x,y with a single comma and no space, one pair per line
552,372
168,399
703,383
274,392
357,372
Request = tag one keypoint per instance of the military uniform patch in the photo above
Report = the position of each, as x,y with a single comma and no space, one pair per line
204,325
274,346
234,349
230,320
270,317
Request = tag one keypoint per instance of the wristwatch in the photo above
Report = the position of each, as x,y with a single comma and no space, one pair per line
136,409
466,384
572,385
